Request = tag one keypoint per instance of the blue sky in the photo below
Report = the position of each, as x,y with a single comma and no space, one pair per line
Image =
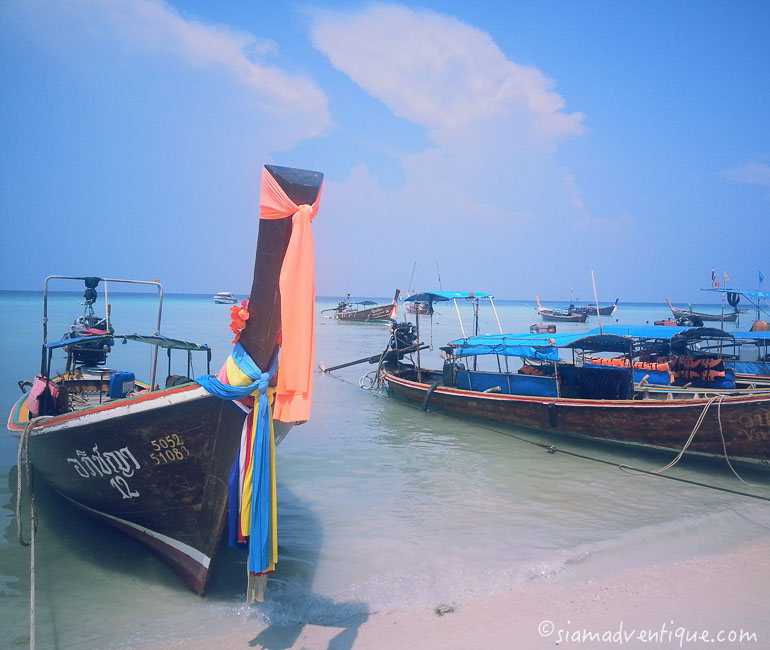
515,146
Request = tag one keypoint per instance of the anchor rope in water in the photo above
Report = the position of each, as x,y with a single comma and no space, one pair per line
23,463
553,449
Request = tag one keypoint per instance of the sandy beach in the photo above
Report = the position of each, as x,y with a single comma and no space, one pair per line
709,601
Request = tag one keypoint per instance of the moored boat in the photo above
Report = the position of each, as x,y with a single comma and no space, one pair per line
702,316
225,298
154,461
363,311
424,309
560,315
584,398
592,310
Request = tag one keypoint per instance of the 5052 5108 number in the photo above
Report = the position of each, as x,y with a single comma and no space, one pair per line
169,449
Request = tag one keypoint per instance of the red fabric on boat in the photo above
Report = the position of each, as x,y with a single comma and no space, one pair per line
297,286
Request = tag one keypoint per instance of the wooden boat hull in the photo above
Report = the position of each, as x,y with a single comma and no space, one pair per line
378,313
418,308
727,317
659,424
603,311
563,318
155,466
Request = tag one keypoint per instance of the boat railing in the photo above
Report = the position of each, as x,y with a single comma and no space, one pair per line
91,282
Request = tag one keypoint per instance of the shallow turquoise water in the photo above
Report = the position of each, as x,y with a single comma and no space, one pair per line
381,506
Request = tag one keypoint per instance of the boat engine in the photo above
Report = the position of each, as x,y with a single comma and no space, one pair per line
402,335
85,352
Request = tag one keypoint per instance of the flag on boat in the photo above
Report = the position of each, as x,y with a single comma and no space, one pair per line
726,278
713,276
761,277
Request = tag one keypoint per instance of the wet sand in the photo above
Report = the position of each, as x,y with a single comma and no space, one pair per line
703,602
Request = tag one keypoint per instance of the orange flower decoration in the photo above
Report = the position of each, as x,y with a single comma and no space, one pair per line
239,315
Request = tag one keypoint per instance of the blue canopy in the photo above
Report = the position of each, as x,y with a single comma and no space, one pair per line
613,338
757,295
540,347
529,346
661,332
437,296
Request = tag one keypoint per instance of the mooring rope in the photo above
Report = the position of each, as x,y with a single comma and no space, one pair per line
718,399
553,449
24,470
698,422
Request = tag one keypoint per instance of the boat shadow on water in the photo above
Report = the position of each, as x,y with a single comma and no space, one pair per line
76,550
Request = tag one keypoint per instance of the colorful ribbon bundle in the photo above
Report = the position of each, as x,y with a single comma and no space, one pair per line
252,512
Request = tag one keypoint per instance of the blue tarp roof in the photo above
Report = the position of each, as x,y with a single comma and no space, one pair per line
744,292
537,346
156,339
662,332
437,296
613,338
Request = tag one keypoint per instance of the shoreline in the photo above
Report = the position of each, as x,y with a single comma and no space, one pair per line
704,601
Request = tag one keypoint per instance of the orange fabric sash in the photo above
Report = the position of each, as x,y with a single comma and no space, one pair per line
297,286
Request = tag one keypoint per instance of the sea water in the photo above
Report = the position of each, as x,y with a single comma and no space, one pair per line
382,507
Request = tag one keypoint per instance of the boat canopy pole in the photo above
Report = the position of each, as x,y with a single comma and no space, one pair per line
596,299
497,318
457,309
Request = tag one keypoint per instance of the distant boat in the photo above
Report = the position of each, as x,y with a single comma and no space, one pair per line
225,298
689,314
363,311
424,309
560,315
592,311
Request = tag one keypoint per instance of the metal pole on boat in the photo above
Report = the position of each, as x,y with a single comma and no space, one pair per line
497,318
457,309
596,301
417,324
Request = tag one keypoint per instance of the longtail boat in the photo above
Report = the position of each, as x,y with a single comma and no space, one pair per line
568,315
695,316
363,311
419,308
528,383
154,461
591,310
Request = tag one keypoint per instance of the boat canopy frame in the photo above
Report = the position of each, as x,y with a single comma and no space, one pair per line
155,339
431,297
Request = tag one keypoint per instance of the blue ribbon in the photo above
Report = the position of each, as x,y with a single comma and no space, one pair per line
248,368
259,540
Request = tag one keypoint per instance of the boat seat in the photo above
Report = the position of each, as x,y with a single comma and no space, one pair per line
177,380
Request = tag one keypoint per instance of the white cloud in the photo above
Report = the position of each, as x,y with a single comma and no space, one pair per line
751,174
437,71
152,26
488,179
